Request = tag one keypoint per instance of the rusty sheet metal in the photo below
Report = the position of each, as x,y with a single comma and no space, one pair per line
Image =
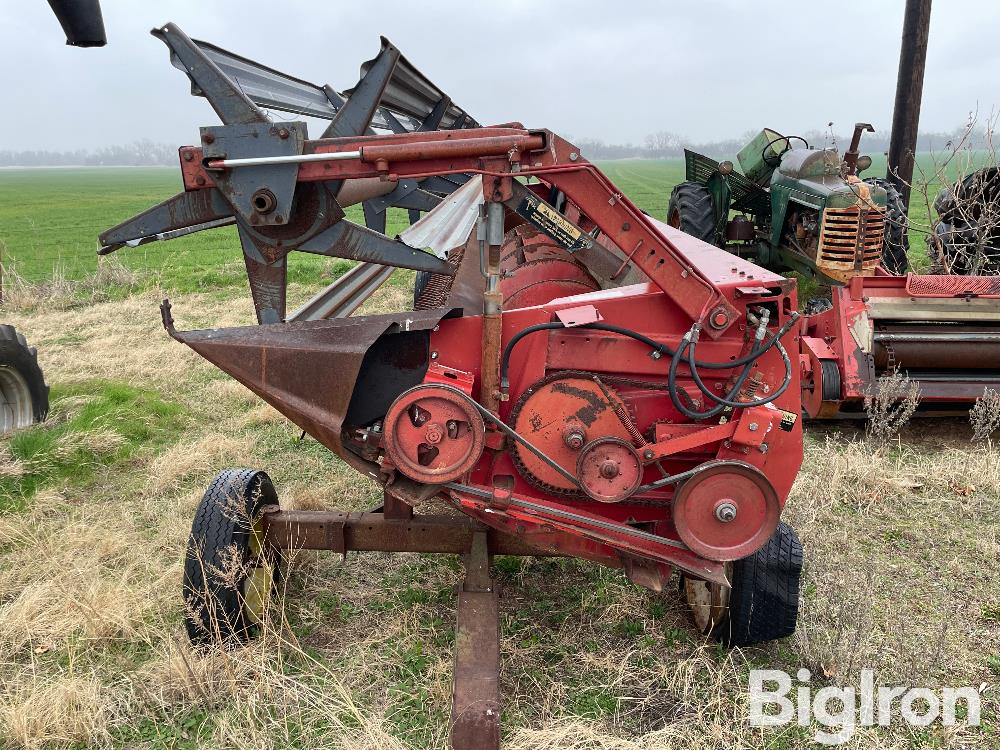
475,708
451,222
306,370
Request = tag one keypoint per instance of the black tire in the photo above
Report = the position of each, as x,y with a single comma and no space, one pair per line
966,239
24,396
692,210
896,245
764,600
816,305
221,554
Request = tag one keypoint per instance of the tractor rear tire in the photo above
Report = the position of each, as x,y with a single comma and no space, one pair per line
763,603
692,210
24,397
229,573
896,243
966,238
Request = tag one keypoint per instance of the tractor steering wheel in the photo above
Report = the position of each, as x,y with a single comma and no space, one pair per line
773,161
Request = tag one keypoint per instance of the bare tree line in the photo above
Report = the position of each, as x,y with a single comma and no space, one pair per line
138,153
665,144
662,144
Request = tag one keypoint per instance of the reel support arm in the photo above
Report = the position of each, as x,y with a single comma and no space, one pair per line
500,154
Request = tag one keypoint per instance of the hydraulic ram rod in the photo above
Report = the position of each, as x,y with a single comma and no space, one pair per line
488,146
263,161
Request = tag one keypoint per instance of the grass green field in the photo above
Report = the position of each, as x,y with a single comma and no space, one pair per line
50,219
902,537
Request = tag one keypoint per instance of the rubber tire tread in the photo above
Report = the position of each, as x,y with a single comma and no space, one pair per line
764,602
697,211
896,243
15,353
215,528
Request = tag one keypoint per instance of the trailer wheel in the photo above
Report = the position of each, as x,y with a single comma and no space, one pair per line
896,243
763,603
24,397
692,210
229,574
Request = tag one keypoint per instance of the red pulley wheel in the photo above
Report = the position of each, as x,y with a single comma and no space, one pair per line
609,470
433,434
726,512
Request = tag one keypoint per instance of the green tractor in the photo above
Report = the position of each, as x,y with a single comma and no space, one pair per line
798,209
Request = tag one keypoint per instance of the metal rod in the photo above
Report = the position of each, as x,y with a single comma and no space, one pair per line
937,338
263,161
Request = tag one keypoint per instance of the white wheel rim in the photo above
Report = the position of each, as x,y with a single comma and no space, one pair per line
16,406
709,602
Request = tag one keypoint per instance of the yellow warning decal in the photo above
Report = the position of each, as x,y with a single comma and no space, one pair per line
553,223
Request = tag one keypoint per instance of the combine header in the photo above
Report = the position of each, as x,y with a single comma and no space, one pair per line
577,379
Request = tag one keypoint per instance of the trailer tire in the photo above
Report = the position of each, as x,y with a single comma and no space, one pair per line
763,603
896,243
692,210
229,573
24,396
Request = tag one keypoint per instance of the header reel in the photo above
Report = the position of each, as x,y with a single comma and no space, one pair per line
274,215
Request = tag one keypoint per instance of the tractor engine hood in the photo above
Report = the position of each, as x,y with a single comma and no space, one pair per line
816,173
805,163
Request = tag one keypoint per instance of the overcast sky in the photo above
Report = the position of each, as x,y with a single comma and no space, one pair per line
612,69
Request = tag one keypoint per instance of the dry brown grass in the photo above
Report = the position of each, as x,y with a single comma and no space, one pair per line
112,277
901,540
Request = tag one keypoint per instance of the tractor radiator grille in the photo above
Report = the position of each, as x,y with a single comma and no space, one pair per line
842,228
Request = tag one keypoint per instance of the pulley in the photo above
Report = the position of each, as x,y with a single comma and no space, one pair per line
432,434
726,512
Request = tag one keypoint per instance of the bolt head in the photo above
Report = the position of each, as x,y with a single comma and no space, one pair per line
753,427
434,433
725,511
609,470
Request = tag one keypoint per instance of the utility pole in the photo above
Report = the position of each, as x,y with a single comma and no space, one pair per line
909,87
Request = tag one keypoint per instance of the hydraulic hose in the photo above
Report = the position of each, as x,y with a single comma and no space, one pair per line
688,344
657,347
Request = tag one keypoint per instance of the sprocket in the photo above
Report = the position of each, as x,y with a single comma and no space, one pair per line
558,415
